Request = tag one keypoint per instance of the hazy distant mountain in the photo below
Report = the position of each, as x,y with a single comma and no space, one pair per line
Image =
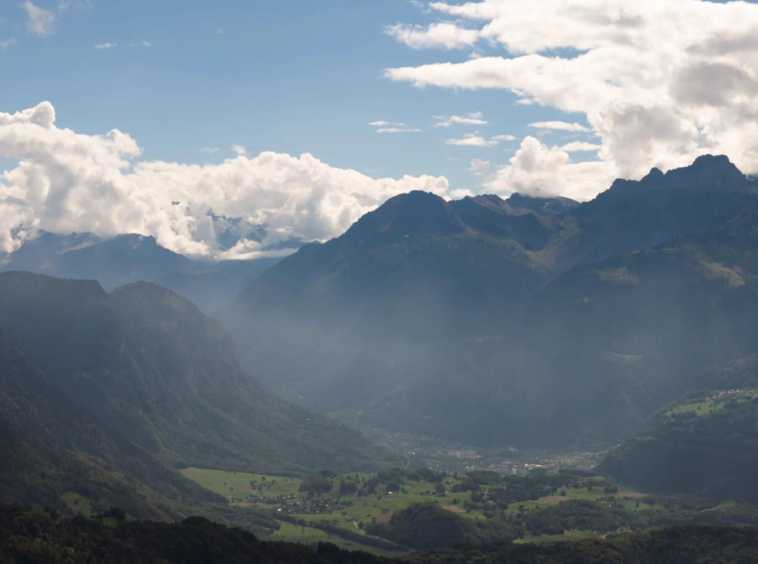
528,221
121,260
39,254
634,215
135,258
621,335
149,365
603,346
217,287
341,323
413,266
459,319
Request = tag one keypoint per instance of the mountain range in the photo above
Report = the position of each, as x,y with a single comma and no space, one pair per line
128,258
526,322
104,395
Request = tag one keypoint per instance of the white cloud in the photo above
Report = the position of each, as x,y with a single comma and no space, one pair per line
40,20
474,140
438,35
580,146
459,194
538,170
210,149
659,81
470,141
479,167
141,44
66,181
397,130
560,126
106,46
239,149
392,127
475,118
7,43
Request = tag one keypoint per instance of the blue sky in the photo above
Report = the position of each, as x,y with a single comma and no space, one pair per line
290,76
619,87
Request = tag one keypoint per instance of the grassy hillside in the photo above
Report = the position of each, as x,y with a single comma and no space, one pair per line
42,423
35,473
705,444
150,366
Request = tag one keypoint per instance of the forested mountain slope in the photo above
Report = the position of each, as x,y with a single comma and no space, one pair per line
150,366
705,443
513,321
40,538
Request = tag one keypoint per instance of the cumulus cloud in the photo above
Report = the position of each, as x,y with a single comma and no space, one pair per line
539,170
398,130
479,167
239,149
560,126
474,140
474,118
392,127
444,35
67,181
659,81
40,20
580,146
459,194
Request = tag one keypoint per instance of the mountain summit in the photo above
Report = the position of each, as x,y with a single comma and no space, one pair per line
495,310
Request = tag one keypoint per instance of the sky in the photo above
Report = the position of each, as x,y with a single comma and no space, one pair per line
161,117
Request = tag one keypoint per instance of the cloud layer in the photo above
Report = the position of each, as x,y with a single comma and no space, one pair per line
659,81
67,181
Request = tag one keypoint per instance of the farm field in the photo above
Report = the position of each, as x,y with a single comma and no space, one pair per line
260,490
309,536
709,406
343,509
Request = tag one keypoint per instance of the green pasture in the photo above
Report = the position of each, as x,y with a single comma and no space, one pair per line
369,507
309,536
78,503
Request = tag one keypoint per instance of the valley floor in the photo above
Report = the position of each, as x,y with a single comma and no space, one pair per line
343,518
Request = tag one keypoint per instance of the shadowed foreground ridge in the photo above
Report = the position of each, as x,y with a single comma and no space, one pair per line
42,538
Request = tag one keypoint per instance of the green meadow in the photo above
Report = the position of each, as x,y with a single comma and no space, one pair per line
351,514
